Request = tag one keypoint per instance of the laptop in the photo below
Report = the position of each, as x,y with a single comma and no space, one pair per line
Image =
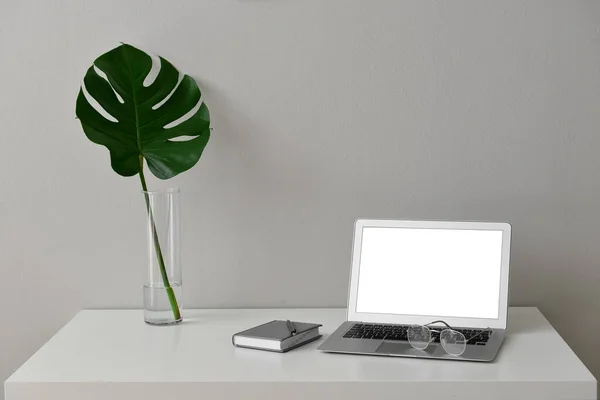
442,275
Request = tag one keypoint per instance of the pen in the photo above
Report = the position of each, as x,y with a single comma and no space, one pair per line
291,327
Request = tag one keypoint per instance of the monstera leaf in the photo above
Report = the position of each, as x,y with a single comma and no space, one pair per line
140,107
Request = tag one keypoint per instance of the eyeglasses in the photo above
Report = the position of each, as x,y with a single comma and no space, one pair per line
452,341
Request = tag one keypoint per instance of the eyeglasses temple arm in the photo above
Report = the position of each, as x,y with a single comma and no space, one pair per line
439,322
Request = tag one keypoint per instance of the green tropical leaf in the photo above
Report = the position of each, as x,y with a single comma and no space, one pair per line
137,105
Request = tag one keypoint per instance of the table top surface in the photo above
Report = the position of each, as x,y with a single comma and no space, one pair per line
117,346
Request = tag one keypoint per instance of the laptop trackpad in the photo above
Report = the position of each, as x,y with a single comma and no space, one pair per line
404,348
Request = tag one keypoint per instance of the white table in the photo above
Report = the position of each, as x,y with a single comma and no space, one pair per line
114,355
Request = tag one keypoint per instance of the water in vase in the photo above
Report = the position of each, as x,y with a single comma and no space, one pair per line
157,307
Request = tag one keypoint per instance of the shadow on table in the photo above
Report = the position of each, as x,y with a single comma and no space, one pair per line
519,323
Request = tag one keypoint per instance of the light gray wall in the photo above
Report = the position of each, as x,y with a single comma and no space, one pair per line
323,111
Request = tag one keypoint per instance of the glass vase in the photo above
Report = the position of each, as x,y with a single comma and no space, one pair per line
162,291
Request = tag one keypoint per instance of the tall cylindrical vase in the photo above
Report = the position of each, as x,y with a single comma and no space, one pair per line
162,291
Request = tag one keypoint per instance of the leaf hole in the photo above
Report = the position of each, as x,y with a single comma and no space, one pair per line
183,138
154,71
102,75
95,105
163,101
185,117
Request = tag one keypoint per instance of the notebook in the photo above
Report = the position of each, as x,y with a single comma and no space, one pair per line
279,336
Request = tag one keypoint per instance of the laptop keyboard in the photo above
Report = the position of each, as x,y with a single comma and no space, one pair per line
399,332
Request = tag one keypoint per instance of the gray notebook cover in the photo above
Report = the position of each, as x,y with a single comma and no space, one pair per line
279,331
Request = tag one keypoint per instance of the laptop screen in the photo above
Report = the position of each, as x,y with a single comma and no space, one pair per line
436,272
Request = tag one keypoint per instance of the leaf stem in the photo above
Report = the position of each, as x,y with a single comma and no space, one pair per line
159,255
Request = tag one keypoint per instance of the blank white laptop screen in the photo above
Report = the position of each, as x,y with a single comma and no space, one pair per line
436,272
